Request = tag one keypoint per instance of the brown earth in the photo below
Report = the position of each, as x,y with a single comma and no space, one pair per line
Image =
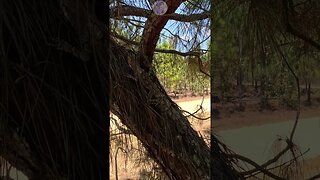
252,117
186,99
229,119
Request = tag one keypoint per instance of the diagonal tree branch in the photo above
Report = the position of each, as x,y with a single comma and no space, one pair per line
257,166
121,11
169,51
314,177
151,33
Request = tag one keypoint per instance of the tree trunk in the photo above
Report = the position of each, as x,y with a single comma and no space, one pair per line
145,108
263,82
255,85
240,90
309,93
54,109
53,92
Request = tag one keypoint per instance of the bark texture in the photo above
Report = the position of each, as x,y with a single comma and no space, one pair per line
53,106
53,90
144,107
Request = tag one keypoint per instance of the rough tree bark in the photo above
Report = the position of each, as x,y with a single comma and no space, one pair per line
54,105
53,89
144,107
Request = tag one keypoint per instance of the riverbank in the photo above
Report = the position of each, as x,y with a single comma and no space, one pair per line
129,168
254,117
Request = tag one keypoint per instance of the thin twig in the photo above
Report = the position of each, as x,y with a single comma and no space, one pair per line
116,163
193,114
298,87
289,161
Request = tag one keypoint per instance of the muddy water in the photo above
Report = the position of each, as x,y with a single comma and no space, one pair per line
257,142
17,175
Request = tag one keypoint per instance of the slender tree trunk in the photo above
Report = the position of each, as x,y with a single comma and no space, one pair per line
263,90
185,89
240,71
256,85
240,89
309,93
252,79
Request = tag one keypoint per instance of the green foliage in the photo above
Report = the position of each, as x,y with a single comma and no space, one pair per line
241,49
225,53
179,73
285,89
169,69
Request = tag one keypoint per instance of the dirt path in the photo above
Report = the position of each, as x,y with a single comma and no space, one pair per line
192,104
251,118
128,167
188,99
130,170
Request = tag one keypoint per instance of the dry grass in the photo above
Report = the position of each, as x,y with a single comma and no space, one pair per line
252,117
307,168
311,166
131,159
129,166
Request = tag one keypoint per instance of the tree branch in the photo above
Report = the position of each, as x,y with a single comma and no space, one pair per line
19,154
124,39
295,32
314,177
201,67
273,160
193,114
121,11
257,166
151,33
278,166
169,51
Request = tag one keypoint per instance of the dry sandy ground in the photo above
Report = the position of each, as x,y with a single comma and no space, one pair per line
127,169
309,167
252,118
306,169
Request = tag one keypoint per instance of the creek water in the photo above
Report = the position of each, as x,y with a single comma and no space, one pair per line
257,142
